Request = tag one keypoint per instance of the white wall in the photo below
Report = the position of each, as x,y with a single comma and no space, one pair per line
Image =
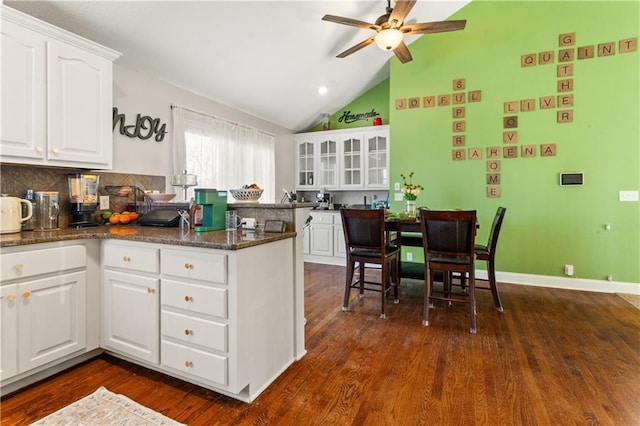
137,93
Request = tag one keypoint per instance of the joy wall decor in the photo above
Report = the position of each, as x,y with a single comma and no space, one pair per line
516,109
144,127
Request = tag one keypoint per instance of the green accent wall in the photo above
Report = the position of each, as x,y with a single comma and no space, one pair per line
546,225
376,98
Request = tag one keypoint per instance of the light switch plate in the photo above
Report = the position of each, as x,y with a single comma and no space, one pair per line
396,186
104,202
628,195
397,196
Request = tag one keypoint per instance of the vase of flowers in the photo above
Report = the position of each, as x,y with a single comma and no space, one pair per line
410,193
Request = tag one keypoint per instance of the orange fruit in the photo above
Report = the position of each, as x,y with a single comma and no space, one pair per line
133,215
124,218
114,219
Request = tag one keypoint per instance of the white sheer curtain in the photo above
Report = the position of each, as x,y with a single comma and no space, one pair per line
223,154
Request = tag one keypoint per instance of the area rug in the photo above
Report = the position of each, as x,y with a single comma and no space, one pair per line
106,408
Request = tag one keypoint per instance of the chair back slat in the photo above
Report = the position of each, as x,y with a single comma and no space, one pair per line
495,229
450,233
363,228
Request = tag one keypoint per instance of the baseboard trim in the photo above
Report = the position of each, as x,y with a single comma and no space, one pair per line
569,283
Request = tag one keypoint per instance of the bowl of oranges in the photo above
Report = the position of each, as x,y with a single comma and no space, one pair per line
115,218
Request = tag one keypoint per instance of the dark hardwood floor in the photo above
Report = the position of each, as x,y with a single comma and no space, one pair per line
552,357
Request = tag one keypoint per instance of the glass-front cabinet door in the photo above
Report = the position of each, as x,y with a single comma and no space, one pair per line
377,166
328,162
306,166
352,161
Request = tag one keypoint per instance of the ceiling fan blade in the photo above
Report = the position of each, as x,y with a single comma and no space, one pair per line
355,48
352,22
400,11
433,27
402,52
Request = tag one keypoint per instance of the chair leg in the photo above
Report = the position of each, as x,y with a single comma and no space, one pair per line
428,282
347,288
384,281
493,285
447,286
472,303
361,275
396,282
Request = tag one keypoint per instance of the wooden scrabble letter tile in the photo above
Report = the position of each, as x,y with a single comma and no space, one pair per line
565,70
444,100
545,57
458,126
547,102
457,154
585,52
528,60
459,140
527,105
568,39
510,122
528,151
606,49
429,101
493,152
475,153
565,116
459,98
493,191
510,137
510,152
493,166
511,107
458,112
459,84
628,45
493,178
414,102
566,55
401,103
475,96
565,101
565,85
548,150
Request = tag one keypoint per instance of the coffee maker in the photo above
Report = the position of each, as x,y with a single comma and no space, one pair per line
214,207
323,199
83,198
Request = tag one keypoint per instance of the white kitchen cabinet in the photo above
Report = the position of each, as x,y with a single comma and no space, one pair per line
130,300
321,234
56,96
44,300
339,246
349,159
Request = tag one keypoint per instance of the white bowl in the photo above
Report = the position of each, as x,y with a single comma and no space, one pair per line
247,195
160,198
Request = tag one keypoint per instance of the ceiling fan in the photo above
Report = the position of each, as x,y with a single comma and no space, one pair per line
390,29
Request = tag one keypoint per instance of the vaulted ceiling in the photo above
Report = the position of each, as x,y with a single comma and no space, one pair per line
266,58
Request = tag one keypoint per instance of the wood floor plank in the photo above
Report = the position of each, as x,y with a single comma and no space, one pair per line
552,357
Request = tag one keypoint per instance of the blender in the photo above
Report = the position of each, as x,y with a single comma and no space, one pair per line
83,198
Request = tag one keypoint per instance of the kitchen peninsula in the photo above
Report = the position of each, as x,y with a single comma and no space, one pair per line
213,308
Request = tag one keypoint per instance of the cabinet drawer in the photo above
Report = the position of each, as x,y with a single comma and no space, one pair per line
36,262
326,218
194,298
195,265
201,332
130,257
195,362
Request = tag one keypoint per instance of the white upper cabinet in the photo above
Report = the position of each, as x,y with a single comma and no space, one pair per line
56,96
343,159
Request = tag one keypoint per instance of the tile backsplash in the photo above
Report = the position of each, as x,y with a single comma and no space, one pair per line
16,179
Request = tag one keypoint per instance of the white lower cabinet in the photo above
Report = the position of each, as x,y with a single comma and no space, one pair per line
326,238
130,300
43,307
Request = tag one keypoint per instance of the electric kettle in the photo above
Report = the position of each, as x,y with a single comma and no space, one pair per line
11,213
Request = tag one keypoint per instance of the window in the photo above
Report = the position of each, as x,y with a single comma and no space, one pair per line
224,155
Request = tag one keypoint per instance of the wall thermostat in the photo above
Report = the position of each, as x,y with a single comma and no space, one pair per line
572,179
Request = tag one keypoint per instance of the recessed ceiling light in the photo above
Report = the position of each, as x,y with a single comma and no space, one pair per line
322,90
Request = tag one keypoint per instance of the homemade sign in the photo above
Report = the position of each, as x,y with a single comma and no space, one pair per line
144,128
563,102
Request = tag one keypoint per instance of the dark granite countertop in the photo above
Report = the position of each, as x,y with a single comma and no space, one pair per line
222,240
258,205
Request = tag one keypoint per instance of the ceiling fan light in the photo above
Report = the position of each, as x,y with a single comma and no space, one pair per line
389,39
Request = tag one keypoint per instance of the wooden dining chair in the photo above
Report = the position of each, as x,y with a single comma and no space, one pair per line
364,235
449,246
